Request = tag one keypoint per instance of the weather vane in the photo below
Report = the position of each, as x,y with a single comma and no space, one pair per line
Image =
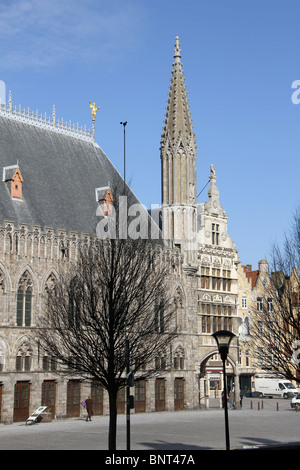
94,112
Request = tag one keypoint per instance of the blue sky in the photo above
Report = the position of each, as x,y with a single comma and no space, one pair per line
240,59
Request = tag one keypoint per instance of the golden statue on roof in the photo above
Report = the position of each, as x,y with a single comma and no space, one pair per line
94,110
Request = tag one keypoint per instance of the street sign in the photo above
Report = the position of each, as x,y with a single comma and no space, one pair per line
33,417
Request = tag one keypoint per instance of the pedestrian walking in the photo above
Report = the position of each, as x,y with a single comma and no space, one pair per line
241,399
223,398
231,399
89,408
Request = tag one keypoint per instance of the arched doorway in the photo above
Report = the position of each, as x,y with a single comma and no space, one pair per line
211,380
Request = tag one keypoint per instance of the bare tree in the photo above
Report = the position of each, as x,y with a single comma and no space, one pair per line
116,294
276,323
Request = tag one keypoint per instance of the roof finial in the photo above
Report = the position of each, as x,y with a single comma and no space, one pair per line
177,50
94,109
213,204
213,191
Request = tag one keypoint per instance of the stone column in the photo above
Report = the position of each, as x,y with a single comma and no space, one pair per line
204,397
202,392
237,389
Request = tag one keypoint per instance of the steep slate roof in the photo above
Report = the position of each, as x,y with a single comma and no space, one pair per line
60,173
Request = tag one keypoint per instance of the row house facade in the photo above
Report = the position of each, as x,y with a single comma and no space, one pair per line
261,316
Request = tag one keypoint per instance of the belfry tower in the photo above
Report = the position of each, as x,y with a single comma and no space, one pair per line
178,166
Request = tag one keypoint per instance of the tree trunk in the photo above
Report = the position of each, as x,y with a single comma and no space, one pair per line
112,434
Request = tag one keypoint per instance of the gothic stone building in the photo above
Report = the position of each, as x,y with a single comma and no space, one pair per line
53,177
199,232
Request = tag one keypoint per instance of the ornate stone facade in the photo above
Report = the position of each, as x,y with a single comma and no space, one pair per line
30,260
200,232
40,234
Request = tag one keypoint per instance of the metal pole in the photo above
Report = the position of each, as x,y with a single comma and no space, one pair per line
127,340
124,124
127,397
226,407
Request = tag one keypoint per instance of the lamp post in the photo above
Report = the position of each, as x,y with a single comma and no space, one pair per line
124,125
127,353
127,397
223,339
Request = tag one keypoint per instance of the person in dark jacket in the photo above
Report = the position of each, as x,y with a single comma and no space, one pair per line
89,408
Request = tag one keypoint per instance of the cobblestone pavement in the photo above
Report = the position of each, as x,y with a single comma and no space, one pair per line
267,422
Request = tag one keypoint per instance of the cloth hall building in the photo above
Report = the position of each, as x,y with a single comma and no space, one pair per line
53,177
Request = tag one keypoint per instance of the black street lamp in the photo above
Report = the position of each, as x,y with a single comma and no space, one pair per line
124,125
127,396
127,353
223,339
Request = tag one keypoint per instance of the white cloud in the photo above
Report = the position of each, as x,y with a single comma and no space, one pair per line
43,33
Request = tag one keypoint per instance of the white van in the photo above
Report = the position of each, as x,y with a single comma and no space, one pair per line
266,387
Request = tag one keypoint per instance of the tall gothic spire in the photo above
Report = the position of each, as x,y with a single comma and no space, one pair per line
178,122
178,160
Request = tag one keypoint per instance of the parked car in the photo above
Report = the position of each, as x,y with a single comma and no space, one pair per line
295,403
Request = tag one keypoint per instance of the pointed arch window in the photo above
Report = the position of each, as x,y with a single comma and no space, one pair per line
179,308
75,303
50,290
246,327
2,297
178,359
2,355
24,358
159,320
24,301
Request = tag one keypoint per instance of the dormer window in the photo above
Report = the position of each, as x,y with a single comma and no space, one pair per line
104,196
12,175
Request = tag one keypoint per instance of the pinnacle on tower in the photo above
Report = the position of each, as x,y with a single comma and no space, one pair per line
178,159
177,50
178,122
213,205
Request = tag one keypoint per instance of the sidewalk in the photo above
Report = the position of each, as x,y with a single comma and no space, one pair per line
183,430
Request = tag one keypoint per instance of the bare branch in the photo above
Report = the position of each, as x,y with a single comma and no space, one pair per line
117,291
276,322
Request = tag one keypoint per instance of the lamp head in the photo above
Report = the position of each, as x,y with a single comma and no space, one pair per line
223,339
